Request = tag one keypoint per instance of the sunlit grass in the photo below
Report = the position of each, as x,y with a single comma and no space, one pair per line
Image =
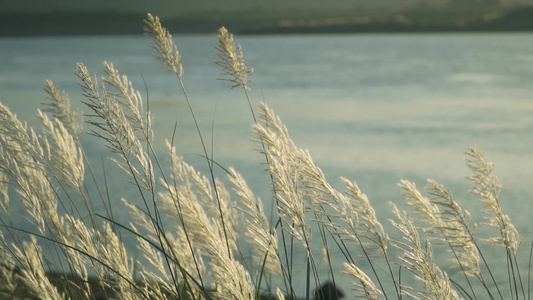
191,229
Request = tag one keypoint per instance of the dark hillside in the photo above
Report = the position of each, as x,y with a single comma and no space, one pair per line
419,20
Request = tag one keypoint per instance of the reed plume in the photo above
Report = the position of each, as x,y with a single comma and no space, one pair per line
162,43
59,106
459,232
33,273
283,164
234,67
365,287
262,239
488,187
418,258
188,226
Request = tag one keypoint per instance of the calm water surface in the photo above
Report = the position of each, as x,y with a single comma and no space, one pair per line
372,108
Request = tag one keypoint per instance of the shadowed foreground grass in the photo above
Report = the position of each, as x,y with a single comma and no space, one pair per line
70,285
190,229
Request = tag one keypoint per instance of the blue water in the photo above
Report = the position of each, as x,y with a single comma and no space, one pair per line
372,108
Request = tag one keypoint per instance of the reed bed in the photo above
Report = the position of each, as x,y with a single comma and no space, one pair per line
190,228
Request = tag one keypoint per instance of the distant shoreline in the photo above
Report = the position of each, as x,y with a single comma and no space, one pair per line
108,23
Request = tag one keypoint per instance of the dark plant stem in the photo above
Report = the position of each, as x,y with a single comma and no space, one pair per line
209,165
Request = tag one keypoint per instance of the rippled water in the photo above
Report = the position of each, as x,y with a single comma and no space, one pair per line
372,108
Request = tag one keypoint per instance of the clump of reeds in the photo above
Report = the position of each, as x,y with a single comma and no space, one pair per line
189,225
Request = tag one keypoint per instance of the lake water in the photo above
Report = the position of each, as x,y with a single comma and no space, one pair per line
372,108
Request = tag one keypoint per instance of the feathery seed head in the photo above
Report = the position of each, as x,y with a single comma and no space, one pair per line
425,211
459,231
364,286
32,272
279,294
361,218
4,197
64,154
232,60
263,240
418,258
163,44
59,107
488,187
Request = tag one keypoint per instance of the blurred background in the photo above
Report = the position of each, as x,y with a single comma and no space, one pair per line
377,91
256,16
